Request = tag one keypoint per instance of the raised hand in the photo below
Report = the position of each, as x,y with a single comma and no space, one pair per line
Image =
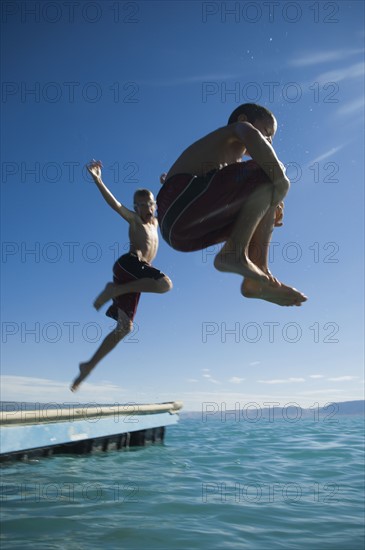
94,167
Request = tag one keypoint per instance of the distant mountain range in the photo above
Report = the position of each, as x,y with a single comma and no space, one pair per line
328,412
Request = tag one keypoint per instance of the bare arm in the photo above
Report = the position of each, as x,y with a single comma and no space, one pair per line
260,150
94,168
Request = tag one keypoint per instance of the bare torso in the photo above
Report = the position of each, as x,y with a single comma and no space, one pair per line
213,151
143,238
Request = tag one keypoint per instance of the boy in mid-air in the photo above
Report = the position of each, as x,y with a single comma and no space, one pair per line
133,272
210,196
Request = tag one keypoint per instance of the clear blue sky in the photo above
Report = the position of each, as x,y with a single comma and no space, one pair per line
133,84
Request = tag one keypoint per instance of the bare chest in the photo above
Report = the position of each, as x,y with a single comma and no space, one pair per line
144,238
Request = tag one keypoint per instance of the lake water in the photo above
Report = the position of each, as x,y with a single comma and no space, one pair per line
211,485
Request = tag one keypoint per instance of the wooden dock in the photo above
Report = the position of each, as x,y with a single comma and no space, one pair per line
83,429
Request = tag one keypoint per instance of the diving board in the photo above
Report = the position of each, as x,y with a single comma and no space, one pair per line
83,429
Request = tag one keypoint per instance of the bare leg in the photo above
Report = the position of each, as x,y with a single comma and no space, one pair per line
258,250
253,231
274,291
234,256
106,347
112,290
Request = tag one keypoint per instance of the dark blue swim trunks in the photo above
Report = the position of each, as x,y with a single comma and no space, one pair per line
126,269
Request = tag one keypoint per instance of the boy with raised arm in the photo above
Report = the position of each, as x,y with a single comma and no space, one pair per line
210,196
133,272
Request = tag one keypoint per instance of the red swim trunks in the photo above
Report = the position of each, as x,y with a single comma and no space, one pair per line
126,269
195,212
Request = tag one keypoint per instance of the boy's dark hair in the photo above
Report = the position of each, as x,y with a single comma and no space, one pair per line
252,112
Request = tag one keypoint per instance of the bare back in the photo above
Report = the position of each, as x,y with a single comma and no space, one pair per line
211,152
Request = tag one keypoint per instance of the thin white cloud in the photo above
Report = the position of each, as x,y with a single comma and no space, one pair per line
337,75
327,154
351,107
315,58
254,363
38,390
192,380
316,376
343,378
236,380
43,390
276,381
320,392
281,381
210,379
216,401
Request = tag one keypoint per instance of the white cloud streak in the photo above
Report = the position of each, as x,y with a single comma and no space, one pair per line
316,58
39,390
281,381
43,390
351,107
210,379
343,378
236,380
320,392
337,75
327,154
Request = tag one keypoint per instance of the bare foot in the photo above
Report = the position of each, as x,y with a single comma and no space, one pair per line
276,293
226,261
104,296
85,370
272,279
